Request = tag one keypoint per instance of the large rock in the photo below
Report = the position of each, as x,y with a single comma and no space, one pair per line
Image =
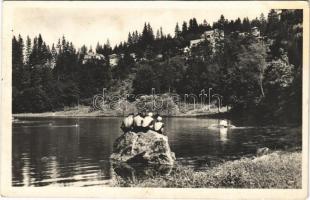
148,148
133,172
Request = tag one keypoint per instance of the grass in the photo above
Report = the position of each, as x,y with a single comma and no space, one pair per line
275,170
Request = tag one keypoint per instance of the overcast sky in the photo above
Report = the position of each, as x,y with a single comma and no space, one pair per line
104,20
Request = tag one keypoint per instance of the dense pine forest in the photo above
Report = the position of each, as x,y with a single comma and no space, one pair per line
256,65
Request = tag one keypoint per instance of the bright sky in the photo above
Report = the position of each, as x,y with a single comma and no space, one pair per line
90,22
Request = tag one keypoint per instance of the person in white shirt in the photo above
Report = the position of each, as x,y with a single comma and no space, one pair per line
137,123
147,122
159,125
127,123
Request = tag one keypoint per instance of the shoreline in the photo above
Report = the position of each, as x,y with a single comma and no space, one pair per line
68,114
225,115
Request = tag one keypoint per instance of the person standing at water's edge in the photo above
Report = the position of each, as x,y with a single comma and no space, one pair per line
127,123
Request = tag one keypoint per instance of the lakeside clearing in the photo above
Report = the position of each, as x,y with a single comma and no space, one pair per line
275,170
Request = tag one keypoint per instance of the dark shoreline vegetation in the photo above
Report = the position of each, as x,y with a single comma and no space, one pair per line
275,170
258,75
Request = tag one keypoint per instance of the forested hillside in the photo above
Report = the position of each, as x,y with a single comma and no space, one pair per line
257,73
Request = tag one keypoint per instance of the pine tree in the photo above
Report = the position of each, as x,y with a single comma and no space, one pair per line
63,43
58,47
272,23
256,23
54,56
98,48
18,60
190,27
177,32
84,49
136,37
238,25
157,35
107,50
108,43
130,39
147,35
28,50
161,32
150,32
40,42
45,54
20,50
246,26
144,31
184,28
33,58
222,23
193,25
263,22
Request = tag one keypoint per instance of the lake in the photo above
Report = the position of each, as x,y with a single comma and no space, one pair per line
54,151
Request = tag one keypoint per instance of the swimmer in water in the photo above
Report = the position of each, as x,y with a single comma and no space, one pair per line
223,125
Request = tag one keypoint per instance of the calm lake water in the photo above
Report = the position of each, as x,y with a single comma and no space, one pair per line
53,151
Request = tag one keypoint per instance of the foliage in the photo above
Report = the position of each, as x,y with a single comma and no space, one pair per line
256,75
164,104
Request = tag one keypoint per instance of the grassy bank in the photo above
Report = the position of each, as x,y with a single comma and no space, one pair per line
275,170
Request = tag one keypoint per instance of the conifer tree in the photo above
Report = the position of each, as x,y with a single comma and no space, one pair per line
177,32
28,50
184,28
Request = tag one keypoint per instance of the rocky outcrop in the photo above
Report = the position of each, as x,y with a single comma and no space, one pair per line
133,172
147,148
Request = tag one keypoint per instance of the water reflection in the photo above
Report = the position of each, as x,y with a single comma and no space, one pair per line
62,155
223,134
79,156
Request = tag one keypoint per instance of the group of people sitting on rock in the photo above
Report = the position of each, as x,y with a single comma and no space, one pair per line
142,122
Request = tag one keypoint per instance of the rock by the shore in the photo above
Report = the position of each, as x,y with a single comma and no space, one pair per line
148,148
132,172
262,151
